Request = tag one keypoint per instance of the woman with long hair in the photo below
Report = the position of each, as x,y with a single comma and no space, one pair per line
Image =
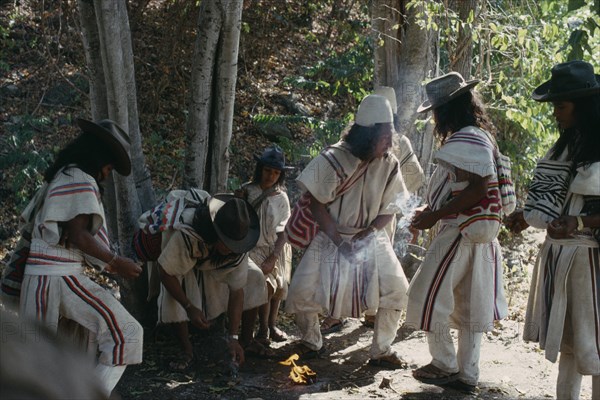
563,312
459,284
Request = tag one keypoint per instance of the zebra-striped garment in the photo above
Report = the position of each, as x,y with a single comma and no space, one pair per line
564,300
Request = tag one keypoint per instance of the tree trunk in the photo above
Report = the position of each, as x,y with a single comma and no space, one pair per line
141,173
225,79
212,94
403,62
111,32
461,56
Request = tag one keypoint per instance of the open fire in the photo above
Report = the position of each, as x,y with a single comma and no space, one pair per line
300,374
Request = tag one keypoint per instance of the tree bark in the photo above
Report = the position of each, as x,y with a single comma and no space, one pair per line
461,55
212,94
403,62
111,30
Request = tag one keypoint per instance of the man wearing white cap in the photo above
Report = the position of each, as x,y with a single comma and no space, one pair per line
350,265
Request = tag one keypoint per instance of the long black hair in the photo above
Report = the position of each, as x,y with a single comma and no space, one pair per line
86,152
583,139
465,110
363,140
256,178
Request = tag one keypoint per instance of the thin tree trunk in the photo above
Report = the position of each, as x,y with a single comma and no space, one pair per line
212,95
141,173
199,118
128,207
225,79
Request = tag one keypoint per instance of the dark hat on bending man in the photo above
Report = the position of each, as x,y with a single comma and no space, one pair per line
569,80
235,222
115,137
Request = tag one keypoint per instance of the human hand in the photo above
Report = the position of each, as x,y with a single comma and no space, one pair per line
424,219
368,231
515,222
197,317
268,265
562,227
346,249
236,351
125,267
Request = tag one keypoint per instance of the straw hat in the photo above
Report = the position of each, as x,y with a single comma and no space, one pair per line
570,80
374,109
445,88
115,137
235,222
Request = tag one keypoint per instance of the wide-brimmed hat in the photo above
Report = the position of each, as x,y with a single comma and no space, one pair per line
445,88
570,80
273,157
390,94
235,222
115,137
374,109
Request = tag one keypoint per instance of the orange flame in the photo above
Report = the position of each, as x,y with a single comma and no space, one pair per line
300,373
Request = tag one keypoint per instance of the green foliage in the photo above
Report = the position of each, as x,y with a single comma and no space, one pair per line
325,133
23,164
344,74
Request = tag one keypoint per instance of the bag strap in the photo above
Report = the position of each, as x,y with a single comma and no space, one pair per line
266,193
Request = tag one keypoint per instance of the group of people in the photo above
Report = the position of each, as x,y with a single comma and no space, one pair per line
228,253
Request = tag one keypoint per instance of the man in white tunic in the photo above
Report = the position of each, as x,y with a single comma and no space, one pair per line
350,265
459,283
563,312
204,271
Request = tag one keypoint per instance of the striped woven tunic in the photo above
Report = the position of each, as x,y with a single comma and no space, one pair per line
563,312
460,280
327,282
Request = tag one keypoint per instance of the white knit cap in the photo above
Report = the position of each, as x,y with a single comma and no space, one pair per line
390,94
374,109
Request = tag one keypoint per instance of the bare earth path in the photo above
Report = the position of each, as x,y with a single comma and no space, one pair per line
510,368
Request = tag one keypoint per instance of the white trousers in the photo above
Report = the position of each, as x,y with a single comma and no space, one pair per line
568,384
445,357
386,325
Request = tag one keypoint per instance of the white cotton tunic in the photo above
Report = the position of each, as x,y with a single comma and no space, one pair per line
273,213
564,303
54,285
327,282
460,280
206,283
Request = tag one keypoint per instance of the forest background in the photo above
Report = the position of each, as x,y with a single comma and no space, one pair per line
203,86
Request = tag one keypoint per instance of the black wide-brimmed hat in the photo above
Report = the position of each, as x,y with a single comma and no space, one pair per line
273,157
570,80
445,88
115,137
235,222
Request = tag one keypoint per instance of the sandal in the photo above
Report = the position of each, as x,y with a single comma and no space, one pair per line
391,361
369,321
331,325
306,353
432,375
258,350
184,364
277,335
262,338
461,386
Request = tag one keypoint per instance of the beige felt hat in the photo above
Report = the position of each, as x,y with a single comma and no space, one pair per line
374,109
445,88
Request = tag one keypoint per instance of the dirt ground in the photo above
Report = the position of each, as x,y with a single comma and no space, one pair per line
510,368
